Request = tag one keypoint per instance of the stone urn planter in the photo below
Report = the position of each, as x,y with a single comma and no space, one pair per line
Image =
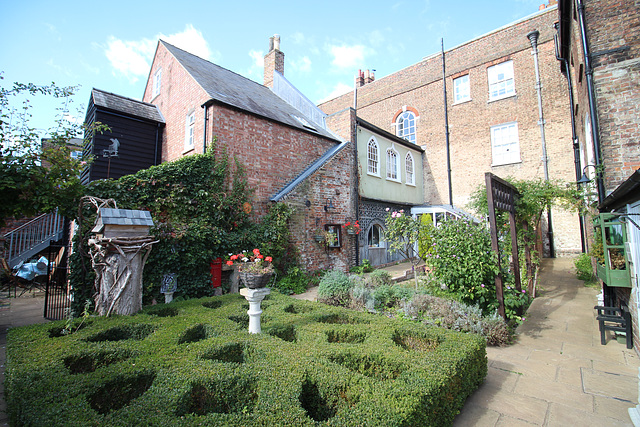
255,280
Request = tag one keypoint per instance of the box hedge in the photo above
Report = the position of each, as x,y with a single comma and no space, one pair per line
194,363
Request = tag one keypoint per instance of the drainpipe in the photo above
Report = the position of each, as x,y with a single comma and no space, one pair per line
595,132
533,38
446,125
574,137
357,180
206,121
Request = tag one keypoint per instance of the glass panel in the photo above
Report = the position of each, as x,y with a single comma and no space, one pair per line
613,233
616,259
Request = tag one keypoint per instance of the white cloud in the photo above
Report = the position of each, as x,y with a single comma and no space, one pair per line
349,57
338,89
297,38
302,65
255,70
133,58
190,40
130,58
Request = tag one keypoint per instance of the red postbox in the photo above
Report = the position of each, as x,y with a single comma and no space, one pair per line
216,272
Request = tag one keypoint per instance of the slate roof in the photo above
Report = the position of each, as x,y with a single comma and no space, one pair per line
229,88
122,104
110,216
310,170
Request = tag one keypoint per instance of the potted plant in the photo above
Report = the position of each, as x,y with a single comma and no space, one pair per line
255,269
319,235
352,228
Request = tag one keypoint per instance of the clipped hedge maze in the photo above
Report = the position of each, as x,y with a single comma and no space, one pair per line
194,363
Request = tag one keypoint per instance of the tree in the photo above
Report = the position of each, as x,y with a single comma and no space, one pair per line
402,234
34,177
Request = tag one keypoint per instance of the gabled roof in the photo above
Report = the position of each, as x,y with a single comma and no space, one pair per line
232,89
122,104
310,170
111,216
373,128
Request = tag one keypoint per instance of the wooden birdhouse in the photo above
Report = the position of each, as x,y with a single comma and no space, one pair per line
112,223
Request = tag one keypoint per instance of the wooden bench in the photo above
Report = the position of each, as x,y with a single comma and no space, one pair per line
617,319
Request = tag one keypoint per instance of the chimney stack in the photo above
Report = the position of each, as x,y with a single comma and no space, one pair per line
273,60
360,79
370,77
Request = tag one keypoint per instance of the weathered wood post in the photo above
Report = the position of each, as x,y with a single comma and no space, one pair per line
119,250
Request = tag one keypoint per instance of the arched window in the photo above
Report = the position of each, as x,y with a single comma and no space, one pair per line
406,126
373,157
408,170
393,167
375,237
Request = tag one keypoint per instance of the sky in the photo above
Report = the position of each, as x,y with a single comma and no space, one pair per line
110,45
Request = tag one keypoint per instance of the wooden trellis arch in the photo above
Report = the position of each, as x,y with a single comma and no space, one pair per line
502,196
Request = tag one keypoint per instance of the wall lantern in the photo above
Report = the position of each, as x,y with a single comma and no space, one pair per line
585,179
328,204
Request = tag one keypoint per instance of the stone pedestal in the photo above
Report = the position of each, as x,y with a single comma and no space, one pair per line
255,297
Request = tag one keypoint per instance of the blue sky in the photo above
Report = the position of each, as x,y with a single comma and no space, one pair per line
110,45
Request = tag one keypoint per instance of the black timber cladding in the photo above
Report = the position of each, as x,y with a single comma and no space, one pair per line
136,125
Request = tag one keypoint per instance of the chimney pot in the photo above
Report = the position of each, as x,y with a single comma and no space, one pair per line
276,41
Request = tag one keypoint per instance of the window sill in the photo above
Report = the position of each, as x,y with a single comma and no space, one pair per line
188,150
493,165
394,180
373,175
410,184
500,98
462,102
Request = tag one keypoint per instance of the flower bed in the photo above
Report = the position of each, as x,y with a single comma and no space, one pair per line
194,363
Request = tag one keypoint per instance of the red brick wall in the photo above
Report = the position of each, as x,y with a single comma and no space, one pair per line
419,87
273,155
613,31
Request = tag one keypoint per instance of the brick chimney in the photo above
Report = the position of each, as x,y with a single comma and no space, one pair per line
360,79
273,60
369,77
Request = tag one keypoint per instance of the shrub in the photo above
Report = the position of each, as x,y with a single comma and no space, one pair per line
296,281
335,287
462,259
379,278
315,364
365,267
390,295
584,269
457,316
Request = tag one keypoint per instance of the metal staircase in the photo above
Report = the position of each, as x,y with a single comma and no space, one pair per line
33,237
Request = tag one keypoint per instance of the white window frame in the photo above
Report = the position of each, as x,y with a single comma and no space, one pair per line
461,89
393,165
505,144
373,157
409,169
377,229
406,126
157,82
189,131
501,81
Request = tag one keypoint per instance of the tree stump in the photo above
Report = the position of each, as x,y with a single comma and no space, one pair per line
119,263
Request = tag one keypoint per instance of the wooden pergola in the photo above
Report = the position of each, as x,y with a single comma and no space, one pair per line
502,196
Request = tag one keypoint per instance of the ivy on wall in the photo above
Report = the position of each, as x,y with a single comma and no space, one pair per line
201,207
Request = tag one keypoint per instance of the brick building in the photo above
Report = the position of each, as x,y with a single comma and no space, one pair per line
493,115
273,130
599,48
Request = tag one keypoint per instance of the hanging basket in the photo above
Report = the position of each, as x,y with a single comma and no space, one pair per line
255,280
351,232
